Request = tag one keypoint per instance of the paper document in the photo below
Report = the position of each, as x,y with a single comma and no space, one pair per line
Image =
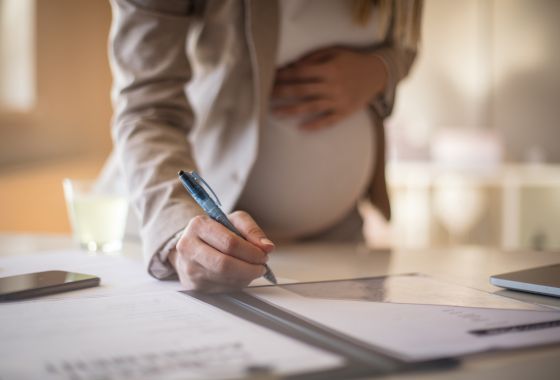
119,274
144,336
416,332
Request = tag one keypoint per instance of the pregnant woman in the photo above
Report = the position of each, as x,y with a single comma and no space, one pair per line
279,105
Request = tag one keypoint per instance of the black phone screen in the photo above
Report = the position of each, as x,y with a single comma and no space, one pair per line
41,283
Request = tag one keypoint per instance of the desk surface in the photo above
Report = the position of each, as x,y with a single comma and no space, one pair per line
465,266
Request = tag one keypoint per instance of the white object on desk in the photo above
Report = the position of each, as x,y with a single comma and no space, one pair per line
167,335
119,274
541,280
416,332
132,326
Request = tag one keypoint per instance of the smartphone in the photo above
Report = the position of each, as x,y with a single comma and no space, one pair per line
43,283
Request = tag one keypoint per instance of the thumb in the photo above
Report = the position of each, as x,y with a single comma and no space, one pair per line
251,230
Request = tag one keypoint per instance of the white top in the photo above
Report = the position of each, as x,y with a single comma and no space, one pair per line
306,181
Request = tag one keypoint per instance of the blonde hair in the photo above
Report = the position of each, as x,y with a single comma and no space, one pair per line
402,16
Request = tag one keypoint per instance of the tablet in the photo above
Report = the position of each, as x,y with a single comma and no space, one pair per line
542,280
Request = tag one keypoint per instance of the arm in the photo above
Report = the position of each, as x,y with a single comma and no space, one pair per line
152,121
152,116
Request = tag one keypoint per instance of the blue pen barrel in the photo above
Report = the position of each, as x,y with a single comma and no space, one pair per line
193,188
218,215
206,203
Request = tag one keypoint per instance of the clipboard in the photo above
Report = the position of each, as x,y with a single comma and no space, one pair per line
361,359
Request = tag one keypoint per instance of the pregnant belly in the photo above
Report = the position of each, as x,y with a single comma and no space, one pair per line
305,181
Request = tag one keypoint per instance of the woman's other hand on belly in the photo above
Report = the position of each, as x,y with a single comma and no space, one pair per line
327,85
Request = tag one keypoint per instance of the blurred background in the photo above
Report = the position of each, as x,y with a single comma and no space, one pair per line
474,142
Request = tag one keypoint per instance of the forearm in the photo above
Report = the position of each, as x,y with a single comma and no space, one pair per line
152,117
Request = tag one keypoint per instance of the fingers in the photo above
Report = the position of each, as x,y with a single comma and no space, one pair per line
305,108
201,267
323,113
322,121
210,257
205,269
251,231
310,67
284,90
303,73
309,82
227,242
319,56
328,85
224,269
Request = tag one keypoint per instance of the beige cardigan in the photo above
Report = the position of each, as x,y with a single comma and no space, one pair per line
176,59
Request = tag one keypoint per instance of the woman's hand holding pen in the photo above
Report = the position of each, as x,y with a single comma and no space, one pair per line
209,257
326,86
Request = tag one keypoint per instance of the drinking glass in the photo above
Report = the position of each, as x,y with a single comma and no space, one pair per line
98,217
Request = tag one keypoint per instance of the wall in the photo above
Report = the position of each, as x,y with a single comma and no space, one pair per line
31,197
17,55
72,112
484,65
526,77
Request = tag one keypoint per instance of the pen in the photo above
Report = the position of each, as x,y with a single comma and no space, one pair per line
194,185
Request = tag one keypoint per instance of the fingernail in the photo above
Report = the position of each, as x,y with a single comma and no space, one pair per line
266,241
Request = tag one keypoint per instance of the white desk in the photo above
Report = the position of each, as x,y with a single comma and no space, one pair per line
465,266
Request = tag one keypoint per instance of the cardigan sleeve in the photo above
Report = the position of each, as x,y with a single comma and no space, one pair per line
152,117
397,62
399,51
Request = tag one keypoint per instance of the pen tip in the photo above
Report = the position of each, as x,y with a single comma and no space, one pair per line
270,276
181,172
